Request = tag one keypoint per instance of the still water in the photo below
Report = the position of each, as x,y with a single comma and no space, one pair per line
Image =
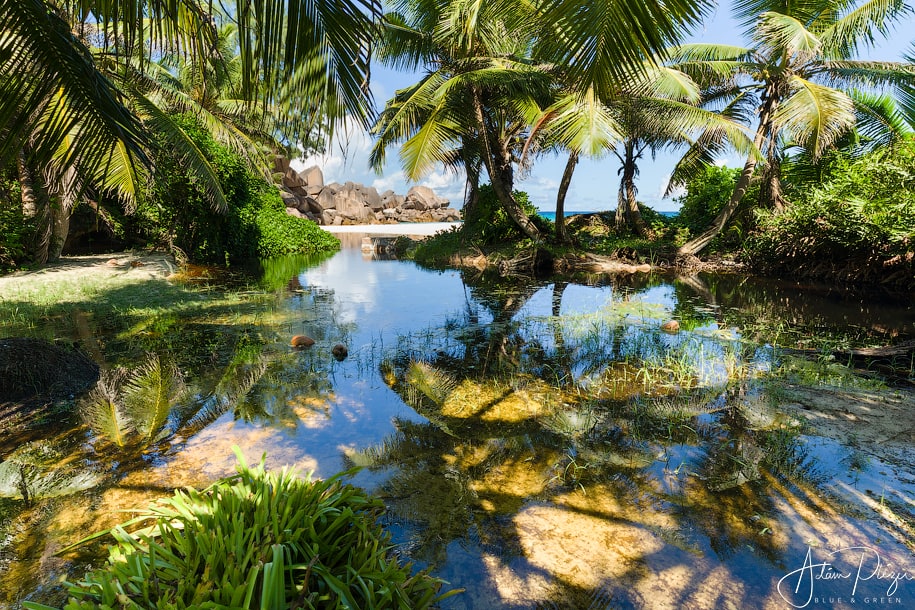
539,443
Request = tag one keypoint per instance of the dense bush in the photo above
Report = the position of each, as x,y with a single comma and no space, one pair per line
488,223
256,540
13,228
706,194
859,223
255,223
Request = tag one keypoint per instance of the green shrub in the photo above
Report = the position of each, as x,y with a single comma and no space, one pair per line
488,223
705,196
256,540
863,212
13,228
255,224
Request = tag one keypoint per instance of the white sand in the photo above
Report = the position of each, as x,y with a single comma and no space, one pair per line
403,228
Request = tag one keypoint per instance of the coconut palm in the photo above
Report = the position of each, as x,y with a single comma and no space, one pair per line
795,75
63,114
658,107
472,107
488,62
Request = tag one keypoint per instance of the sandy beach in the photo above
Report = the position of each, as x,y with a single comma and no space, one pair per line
404,228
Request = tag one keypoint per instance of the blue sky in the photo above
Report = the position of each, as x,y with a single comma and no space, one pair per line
595,183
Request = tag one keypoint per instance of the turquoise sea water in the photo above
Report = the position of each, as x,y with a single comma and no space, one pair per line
552,215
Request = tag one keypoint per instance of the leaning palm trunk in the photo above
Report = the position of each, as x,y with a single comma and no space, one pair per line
697,244
500,177
561,196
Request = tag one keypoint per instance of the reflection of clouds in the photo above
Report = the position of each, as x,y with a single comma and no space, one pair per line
354,285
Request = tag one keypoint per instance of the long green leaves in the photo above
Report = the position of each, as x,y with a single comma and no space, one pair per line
257,540
600,43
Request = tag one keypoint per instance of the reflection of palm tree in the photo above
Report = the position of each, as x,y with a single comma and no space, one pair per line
45,469
135,406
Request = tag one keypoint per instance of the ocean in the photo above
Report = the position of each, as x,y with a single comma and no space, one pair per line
552,215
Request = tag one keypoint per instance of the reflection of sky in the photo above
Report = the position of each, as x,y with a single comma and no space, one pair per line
386,297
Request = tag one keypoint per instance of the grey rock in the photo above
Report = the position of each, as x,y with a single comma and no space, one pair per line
313,176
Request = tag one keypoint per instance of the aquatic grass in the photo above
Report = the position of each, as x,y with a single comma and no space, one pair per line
255,540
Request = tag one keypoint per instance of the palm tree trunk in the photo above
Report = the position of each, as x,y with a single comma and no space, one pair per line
698,243
60,214
771,193
629,190
498,177
471,188
561,236
35,210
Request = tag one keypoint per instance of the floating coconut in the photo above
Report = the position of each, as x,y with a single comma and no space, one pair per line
339,351
671,326
300,341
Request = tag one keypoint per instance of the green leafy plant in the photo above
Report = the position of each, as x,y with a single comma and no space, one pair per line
254,224
255,540
134,406
859,222
488,223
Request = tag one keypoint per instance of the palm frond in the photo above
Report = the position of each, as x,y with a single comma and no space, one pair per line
880,122
814,116
149,393
582,123
602,42
40,59
785,34
845,37
102,411
194,159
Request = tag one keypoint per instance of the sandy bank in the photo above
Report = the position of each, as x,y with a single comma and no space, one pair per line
411,228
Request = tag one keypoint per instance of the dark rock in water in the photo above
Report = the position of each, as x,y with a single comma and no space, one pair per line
339,351
32,368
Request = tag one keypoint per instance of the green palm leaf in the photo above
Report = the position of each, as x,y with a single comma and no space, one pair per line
785,34
185,147
847,35
814,116
149,394
102,411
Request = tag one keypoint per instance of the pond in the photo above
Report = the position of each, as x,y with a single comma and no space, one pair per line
538,443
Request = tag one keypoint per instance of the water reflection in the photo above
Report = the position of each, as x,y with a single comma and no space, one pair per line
541,443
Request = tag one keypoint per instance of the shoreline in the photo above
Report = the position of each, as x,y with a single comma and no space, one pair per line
424,229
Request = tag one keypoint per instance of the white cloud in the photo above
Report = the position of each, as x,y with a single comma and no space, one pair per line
394,182
541,190
346,158
678,191
447,184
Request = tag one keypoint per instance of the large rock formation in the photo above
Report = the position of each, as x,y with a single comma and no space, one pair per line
306,196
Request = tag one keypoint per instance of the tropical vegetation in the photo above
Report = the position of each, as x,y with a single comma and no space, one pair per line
258,539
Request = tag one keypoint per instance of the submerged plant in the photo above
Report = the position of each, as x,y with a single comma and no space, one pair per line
135,405
255,540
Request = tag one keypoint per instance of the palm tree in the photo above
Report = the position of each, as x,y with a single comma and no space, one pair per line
472,106
658,107
62,113
794,74
488,62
